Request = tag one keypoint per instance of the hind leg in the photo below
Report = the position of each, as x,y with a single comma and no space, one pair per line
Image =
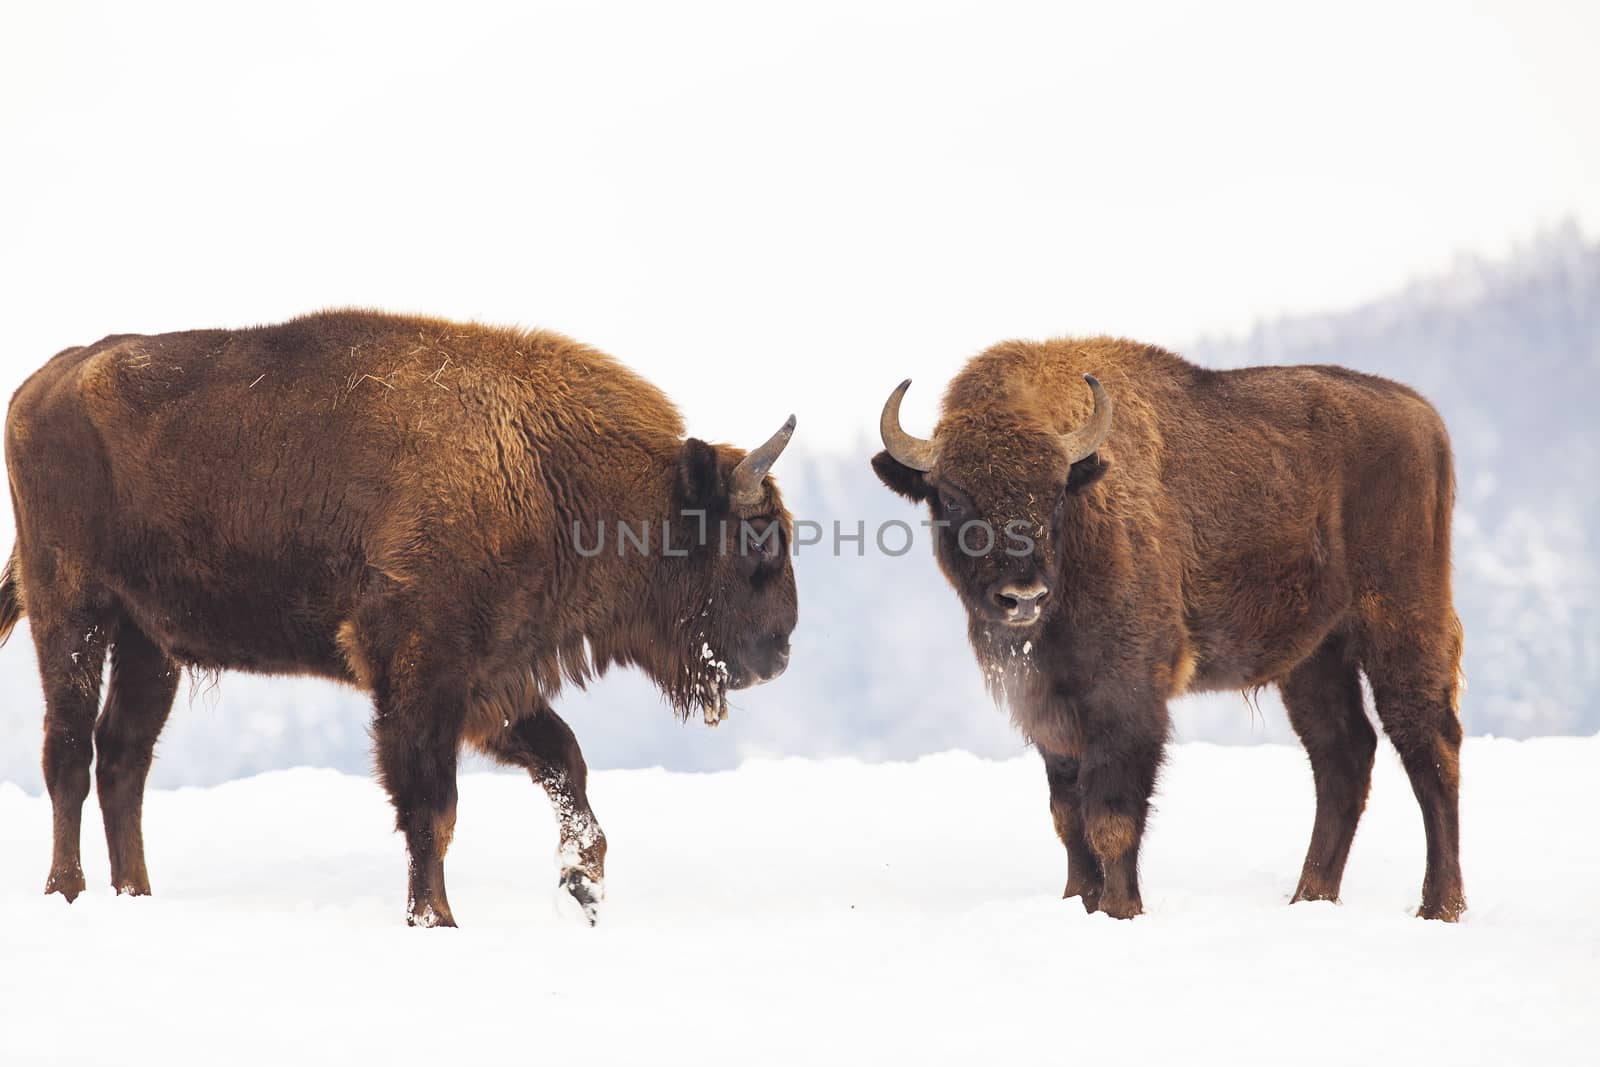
417,730
1323,697
544,745
1414,687
72,648
143,683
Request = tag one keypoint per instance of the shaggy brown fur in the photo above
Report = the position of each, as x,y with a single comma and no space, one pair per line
1285,525
386,501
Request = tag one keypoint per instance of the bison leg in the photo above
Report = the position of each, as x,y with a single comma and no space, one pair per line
1084,877
143,683
72,649
1417,709
1323,697
418,732
544,745
1116,776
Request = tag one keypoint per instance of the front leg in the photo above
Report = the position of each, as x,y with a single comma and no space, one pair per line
1084,877
543,744
1115,779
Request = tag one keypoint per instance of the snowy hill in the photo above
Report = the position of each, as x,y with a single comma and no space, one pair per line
1509,353
809,912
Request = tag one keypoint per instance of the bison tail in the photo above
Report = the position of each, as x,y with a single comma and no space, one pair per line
11,606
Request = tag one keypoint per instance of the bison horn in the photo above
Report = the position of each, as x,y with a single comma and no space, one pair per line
909,451
1087,439
744,484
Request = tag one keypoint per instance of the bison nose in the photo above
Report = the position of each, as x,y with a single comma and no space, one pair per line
777,657
1020,602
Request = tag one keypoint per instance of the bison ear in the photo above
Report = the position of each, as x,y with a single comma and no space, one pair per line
1086,472
904,480
699,475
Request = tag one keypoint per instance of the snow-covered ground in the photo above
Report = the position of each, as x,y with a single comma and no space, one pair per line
806,912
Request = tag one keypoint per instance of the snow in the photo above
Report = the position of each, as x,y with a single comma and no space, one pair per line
801,911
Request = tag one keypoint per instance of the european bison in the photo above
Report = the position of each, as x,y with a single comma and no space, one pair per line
387,501
1226,530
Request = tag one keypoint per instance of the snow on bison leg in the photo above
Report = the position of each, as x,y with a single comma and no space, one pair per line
545,745
582,853
580,895
428,916
68,882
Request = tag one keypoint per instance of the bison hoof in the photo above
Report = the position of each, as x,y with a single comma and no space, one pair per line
68,883
586,892
1120,909
1445,910
1089,894
428,916
1305,892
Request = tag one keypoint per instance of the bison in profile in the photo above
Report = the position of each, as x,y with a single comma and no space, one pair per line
1223,530
391,502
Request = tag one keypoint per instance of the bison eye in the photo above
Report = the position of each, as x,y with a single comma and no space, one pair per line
772,547
951,505
761,547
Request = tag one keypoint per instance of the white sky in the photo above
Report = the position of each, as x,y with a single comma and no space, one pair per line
764,210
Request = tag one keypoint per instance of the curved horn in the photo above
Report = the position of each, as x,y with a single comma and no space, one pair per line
744,484
1087,439
910,451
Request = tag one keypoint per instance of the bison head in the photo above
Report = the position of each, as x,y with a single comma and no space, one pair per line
725,584
999,486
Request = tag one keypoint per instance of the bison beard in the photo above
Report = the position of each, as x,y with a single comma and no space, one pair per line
1222,530
386,501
